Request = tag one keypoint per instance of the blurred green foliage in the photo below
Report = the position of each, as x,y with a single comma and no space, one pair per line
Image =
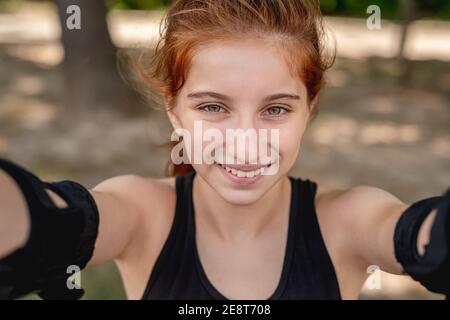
138,4
389,8
103,282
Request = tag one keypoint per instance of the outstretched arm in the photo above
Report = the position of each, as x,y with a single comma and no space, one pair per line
117,214
44,225
399,238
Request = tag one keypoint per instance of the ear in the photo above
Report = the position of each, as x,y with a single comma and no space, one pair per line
172,114
312,107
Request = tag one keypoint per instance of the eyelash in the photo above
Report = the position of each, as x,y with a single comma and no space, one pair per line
203,108
284,109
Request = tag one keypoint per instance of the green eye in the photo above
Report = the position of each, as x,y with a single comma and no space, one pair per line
213,108
275,111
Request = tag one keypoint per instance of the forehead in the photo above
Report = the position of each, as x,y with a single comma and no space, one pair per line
249,66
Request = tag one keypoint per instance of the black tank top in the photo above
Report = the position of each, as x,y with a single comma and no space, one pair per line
307,272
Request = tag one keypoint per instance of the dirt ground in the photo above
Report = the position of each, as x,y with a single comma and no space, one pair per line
371,130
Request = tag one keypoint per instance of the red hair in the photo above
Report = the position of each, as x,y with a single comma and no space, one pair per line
294,27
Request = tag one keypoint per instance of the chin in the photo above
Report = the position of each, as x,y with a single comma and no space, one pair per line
240,197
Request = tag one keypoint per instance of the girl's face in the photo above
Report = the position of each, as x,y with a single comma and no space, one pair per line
243,85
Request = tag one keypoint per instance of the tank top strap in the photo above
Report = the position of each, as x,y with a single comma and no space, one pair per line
172,251
307,226
309,237
308,216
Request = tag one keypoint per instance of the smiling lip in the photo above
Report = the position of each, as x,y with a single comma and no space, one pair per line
243,174
244,167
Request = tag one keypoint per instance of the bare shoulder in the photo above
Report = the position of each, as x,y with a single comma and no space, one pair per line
360,210
119,182
357,208
361,199
325,192
149,202
353,213
148,195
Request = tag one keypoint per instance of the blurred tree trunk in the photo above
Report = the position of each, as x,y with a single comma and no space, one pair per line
408,13
90,69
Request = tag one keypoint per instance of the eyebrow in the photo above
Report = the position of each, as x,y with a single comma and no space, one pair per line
276,96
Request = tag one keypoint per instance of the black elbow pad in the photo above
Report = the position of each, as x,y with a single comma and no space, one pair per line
59,238
432,269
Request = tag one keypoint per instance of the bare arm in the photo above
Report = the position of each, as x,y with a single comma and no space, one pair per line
369,216
121,210
14,223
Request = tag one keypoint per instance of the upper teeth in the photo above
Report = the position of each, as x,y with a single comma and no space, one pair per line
243,174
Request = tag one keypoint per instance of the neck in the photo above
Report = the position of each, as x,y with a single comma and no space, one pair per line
238,222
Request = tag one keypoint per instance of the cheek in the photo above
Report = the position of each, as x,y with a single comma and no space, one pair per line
290,140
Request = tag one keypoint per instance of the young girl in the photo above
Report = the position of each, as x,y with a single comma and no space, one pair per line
223,230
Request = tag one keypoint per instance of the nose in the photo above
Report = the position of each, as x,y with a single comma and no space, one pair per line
242,140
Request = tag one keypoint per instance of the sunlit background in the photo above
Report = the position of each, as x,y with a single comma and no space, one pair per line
66,112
